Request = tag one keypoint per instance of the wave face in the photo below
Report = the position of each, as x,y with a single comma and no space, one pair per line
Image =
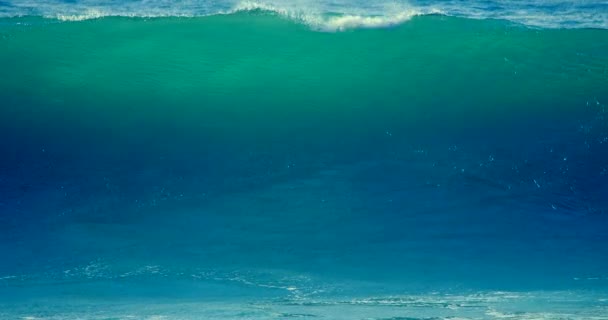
329,14
245,166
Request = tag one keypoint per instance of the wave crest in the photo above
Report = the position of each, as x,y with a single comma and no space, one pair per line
314,19
341,22
322,15
89,14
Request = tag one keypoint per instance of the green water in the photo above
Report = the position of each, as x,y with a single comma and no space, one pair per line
237,74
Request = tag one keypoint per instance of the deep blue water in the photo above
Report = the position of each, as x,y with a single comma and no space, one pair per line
407,223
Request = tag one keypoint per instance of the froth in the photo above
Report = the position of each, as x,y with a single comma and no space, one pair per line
339,22
352,21
89,14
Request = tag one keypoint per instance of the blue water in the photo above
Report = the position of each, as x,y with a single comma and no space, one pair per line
442,228
303,159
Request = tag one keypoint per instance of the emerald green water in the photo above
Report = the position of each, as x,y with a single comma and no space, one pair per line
258,72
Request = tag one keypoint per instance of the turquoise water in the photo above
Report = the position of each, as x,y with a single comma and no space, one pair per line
265,165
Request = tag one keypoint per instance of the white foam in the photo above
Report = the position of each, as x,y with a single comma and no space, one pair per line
351,21
88,15
315,18
97,13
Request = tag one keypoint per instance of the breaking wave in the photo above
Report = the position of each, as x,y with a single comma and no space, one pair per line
324,16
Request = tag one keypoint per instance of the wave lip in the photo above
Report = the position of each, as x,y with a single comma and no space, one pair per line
346,22
337,22
88,15
92,14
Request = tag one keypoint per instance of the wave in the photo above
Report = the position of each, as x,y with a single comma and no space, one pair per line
315,19
324,16
336,22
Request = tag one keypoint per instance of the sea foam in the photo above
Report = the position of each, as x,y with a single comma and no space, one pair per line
337,22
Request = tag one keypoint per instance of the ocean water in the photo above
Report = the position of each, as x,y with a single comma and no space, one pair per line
303,159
